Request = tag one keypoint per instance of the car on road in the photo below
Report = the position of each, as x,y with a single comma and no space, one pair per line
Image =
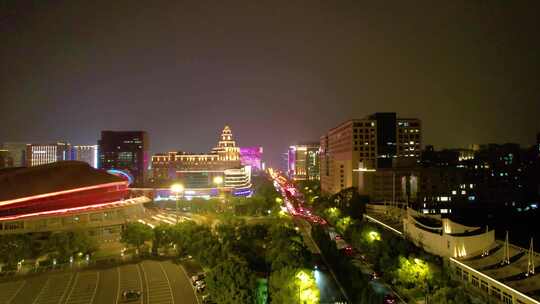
390,299
375,276
131,295
348,251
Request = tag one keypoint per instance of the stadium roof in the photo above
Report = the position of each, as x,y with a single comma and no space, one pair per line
23,182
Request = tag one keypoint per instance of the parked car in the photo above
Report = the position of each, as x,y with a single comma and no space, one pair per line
199,276
207,300
131,295
201,287
199,283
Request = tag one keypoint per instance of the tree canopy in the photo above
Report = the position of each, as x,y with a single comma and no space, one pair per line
136,234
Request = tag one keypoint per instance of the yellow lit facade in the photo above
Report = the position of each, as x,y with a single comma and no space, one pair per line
201,170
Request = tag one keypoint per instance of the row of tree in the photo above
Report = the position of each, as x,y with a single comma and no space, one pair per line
62,246
236,254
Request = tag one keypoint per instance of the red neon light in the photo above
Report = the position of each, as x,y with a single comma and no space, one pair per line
18,200
62,211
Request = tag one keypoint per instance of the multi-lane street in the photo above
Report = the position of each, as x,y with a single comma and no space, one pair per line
303,216
160,282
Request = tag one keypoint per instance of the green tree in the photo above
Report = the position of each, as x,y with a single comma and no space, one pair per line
293,285
13,248
343,224
413,272
285,248
136,234
162,238
65,244
231,281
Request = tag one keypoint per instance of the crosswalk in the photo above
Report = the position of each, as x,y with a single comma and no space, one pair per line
162,217
55,289
157,282
9,290
84,289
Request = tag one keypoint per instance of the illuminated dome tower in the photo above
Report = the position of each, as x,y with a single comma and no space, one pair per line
226,148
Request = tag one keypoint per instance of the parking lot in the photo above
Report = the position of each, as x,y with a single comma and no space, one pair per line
160,282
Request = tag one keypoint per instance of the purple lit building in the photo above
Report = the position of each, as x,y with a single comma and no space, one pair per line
252,156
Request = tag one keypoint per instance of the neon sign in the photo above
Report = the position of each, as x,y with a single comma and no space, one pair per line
122,174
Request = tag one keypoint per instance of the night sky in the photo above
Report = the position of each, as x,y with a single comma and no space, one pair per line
277,73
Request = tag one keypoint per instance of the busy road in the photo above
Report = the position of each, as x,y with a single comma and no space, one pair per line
294,204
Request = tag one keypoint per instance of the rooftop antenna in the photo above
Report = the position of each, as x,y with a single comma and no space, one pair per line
530,264
506,250
486,251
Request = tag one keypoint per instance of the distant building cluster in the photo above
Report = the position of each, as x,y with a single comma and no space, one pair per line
126,154
35,154
383,156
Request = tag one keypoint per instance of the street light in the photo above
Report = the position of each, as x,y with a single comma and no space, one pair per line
177,189
218,181
374,236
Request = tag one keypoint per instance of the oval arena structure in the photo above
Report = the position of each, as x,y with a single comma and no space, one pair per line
64,195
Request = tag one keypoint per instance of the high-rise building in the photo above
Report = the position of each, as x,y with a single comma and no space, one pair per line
126,151
303,161
368,144
86,153
6,161
41,154
252,156
17,152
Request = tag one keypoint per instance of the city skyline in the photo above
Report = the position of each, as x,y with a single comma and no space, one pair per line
297,152
181,71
